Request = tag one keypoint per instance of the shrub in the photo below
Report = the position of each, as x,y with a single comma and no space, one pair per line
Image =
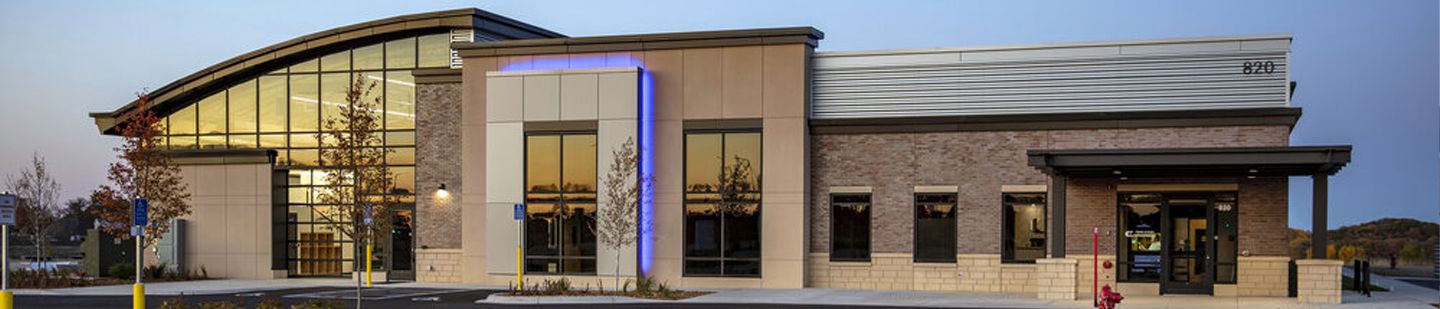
177,302
219,305
268,304
122,270
561,285
156,271
319,304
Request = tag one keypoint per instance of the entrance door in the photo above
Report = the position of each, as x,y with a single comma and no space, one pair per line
1189,253
402,261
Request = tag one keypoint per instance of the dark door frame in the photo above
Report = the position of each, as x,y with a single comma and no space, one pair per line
1207,286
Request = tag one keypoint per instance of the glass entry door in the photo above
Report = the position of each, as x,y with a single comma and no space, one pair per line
1189,252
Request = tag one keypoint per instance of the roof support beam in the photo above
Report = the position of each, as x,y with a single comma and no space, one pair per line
1319,216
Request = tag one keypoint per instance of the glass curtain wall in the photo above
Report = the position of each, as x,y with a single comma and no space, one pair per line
283,110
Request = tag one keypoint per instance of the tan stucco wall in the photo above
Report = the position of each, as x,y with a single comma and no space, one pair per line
769,83
229,224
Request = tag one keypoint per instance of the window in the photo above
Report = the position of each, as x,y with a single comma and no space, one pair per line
722,204
1139,250
1023,235
560,203
1227,224
935,227
281,109
850,227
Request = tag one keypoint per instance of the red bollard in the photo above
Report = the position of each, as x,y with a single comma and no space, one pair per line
1109,298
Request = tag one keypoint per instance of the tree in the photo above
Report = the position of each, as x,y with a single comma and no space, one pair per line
39,204
143,171
357,175
619,222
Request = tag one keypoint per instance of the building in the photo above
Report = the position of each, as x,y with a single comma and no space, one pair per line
977,169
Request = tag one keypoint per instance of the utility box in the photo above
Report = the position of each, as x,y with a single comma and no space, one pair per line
102,250
171,247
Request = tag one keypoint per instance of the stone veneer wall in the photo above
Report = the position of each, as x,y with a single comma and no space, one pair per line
437,265
1319,281
1056,279
1263,276
893,271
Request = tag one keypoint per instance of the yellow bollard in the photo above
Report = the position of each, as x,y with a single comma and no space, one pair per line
7,300
368,261
139,296
519,269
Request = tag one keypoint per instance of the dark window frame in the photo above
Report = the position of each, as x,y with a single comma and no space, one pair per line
685,206
1007,250
915,228
869,226
525,180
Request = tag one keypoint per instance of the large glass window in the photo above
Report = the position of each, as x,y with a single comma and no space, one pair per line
282,109
1023,235
560,203
1140,248
850,227
935,227
722,204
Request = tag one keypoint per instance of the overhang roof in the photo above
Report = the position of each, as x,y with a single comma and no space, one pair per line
174,94
1193,162
638,42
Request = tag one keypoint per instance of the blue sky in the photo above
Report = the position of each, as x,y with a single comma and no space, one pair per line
1367,70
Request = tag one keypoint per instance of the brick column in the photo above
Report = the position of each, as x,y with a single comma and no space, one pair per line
1055,278
1319,281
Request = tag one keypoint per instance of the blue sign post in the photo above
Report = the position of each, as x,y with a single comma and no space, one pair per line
142,211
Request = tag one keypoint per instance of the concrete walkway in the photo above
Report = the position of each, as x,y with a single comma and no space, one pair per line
1403,295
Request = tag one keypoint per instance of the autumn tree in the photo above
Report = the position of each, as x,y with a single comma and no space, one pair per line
143,171
357,180
619,223
39,204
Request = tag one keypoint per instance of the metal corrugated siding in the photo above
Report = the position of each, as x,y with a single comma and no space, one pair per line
944,84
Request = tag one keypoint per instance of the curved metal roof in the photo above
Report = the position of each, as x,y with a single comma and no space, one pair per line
175,94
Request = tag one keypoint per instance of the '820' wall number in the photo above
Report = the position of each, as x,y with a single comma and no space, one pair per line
1258,67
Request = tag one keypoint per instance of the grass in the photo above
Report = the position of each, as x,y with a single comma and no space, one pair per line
1348,283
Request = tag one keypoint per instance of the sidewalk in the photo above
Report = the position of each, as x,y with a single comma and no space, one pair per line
234,286
1403,295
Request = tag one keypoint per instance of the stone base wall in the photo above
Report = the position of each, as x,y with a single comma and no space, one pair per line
1056,278
437,265
1085,274
1319,281
898,271
1263,276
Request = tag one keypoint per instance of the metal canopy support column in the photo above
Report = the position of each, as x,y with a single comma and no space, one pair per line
1057,210
1318,227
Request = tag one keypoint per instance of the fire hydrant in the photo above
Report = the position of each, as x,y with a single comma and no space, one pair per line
1109,298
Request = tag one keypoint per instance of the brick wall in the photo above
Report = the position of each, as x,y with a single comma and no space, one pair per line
437,161
1319,281
980,162
1263,276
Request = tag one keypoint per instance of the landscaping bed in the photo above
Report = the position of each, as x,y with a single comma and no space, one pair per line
644,288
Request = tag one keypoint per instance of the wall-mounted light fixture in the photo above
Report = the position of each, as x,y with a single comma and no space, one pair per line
441,192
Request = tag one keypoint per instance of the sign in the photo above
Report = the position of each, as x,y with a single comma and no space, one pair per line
519,212
7,209
137,231
142,212
369,214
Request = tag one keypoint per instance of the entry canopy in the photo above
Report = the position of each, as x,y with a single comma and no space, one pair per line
1192,162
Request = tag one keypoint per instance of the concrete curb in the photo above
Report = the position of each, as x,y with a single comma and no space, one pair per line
563,300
